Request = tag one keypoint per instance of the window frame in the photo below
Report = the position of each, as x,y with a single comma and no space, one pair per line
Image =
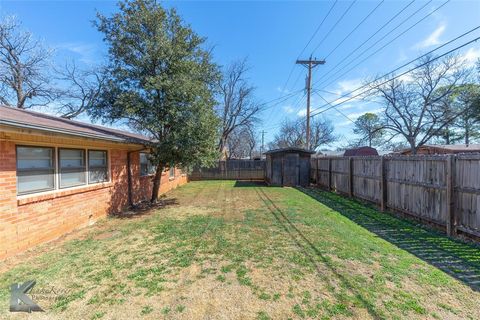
148,164
171,172
107,165
85,169
53,169
56,169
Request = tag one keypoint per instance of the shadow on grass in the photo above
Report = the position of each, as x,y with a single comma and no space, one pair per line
456,258
248,184
145,208
312,253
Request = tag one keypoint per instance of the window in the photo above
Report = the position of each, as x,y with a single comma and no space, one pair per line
72,167
146,167
172,171
97,166
35,169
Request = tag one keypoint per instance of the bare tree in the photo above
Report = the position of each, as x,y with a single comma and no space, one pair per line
83,89
238,107
412,106
241,143
293,133
24,80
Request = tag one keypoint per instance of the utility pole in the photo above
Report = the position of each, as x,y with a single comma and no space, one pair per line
310,64
263,139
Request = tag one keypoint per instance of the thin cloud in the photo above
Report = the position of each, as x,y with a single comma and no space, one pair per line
86,51
302,113
288,109
471,56
433,39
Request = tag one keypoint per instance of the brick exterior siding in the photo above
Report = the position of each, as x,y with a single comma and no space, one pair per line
26,221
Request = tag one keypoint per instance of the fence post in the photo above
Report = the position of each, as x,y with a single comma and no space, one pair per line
383,184
350,175
329,174
317,181
451,213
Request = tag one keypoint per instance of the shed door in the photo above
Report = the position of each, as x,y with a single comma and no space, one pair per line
276,171
290,169
304,172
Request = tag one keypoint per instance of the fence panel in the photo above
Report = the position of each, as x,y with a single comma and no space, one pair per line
323,172
417,185
340,174
231,170
367,175
467,195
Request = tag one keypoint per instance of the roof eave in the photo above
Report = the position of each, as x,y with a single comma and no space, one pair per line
22,125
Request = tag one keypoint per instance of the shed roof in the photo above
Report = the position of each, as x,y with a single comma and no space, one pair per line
290,150
27,119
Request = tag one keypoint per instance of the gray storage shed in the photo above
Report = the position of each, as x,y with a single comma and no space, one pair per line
288,167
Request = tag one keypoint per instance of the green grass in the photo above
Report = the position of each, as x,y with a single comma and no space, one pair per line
258,253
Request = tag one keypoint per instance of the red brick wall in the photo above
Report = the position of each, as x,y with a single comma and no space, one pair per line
30,220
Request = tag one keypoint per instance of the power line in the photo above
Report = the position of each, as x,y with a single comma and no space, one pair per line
282,99
334,26
411,61
355,28
379,49
373,35
309,41
337,109
390,79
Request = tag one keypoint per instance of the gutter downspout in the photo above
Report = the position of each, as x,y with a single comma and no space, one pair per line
129,176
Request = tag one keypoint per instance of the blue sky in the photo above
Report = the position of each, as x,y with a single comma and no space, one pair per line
272,34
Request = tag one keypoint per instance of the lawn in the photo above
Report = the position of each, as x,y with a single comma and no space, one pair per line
233,250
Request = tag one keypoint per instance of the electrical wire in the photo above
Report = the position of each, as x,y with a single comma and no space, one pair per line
354,29
334,26
381,48
384,82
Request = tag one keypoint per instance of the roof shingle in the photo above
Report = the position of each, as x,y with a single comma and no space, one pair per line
35,120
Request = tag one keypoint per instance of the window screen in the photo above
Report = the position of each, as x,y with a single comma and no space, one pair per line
97,166
72,167
35,169
146,167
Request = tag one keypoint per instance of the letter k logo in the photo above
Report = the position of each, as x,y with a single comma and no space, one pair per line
19,301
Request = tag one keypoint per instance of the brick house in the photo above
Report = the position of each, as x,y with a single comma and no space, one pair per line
57,175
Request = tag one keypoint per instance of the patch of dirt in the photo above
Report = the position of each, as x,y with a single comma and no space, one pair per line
106,235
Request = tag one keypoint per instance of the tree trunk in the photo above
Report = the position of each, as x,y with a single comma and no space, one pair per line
156,183
467,134
413,149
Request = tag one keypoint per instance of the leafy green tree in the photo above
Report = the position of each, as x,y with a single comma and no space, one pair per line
369,127
463,106
160,82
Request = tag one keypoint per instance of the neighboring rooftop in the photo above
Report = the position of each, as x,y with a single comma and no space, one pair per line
26,119
360,151
290,150
445,149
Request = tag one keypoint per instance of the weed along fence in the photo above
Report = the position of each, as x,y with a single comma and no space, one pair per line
443,190
231,170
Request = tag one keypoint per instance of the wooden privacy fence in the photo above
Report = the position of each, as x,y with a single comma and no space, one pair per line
444,189
231,170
